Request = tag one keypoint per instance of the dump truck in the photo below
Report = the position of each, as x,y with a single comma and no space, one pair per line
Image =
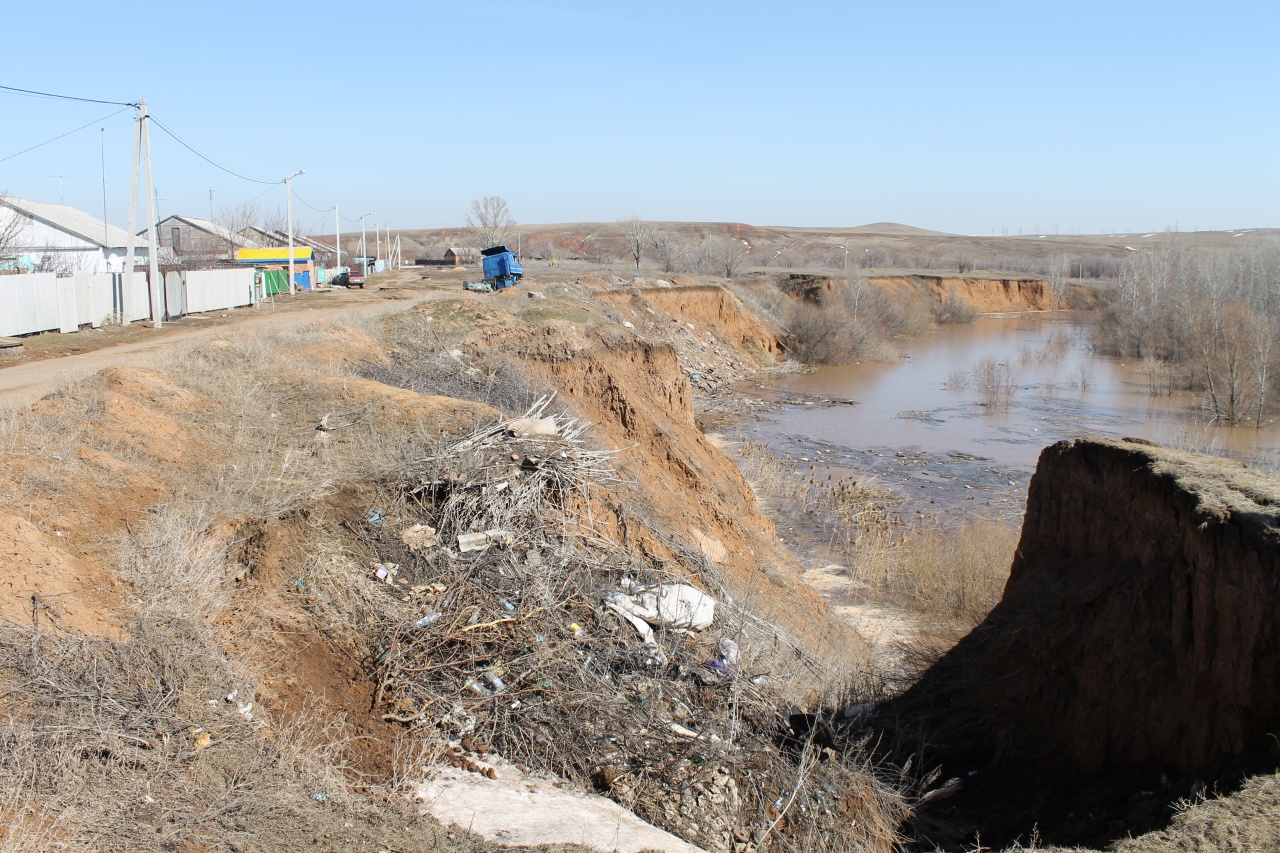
501,267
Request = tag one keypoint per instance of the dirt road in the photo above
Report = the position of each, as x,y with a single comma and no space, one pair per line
27,377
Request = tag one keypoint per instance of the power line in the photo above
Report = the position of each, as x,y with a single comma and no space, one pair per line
208,159
66,97
233,210
310,205
68,133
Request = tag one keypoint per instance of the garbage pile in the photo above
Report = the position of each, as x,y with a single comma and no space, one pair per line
533,634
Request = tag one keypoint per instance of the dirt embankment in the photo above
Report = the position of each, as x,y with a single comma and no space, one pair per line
637,390
980,294
984,295
1138,635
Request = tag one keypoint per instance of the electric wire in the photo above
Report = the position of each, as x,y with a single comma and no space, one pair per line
310,205
230,211
208,159
68,133
36,94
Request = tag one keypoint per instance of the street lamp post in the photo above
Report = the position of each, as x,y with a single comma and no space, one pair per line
288,191
364,245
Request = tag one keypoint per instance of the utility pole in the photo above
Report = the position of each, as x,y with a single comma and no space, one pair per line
390,256
211,205
126,287
157,309
364,246
288,191
337,237
61,178
102,151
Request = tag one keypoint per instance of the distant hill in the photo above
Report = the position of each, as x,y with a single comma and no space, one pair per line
700,247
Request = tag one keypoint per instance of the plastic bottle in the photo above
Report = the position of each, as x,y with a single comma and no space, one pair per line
425,620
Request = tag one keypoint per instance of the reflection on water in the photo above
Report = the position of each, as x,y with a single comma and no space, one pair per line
1000,389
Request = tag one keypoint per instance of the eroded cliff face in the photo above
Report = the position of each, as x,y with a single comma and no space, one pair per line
1140,625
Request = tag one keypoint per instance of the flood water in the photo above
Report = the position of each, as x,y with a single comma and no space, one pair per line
964,413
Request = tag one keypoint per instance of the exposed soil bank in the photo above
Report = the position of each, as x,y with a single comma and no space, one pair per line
1135,651
984,295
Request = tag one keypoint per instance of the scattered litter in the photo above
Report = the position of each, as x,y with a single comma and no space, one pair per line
676,607
425,620
320,797
683,732
727,663
533,428
419,537
373,516
468,542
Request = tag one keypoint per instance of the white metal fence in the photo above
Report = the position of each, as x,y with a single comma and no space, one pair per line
213,290
43,302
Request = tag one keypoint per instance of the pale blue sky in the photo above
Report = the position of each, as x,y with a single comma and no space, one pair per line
963,117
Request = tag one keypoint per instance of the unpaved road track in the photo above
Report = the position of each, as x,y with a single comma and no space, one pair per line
23,383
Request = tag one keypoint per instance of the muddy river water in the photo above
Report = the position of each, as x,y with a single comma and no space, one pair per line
961,417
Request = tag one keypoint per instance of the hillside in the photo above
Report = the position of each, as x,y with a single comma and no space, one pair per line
704,247
360,583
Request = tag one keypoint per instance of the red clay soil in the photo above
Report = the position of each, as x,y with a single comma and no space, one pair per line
1135,651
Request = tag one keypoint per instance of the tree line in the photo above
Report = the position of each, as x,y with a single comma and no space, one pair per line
1205,320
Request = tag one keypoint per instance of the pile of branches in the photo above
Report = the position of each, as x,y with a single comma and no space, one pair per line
507,547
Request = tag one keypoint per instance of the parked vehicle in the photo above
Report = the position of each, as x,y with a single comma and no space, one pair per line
501,267
355,275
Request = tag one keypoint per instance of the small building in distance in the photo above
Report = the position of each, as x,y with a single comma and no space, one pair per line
39,237
192,241
324,253
275,261
461,256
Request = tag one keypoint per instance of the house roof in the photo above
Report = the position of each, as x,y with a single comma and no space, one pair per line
283,237
75,222
274,255
213,228
464,250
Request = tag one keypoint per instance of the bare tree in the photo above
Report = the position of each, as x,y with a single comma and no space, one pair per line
1060,278
12,226
669,249
727,255
239,219
490,221
637,234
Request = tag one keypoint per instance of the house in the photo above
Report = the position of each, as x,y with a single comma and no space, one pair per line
191,241
275,262
461,256
270,238
42,237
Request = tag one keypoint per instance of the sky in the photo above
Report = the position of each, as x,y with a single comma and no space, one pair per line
974,118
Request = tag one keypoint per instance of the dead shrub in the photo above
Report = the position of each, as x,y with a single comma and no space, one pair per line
954,574
953,309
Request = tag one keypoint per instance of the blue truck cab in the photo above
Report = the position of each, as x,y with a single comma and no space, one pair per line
501,267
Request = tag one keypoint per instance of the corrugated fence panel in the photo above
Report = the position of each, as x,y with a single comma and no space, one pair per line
98,299
214,290
140,304
67,314
28,303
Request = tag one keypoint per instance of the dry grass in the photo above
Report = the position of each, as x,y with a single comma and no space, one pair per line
955,575
951,574
106,739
